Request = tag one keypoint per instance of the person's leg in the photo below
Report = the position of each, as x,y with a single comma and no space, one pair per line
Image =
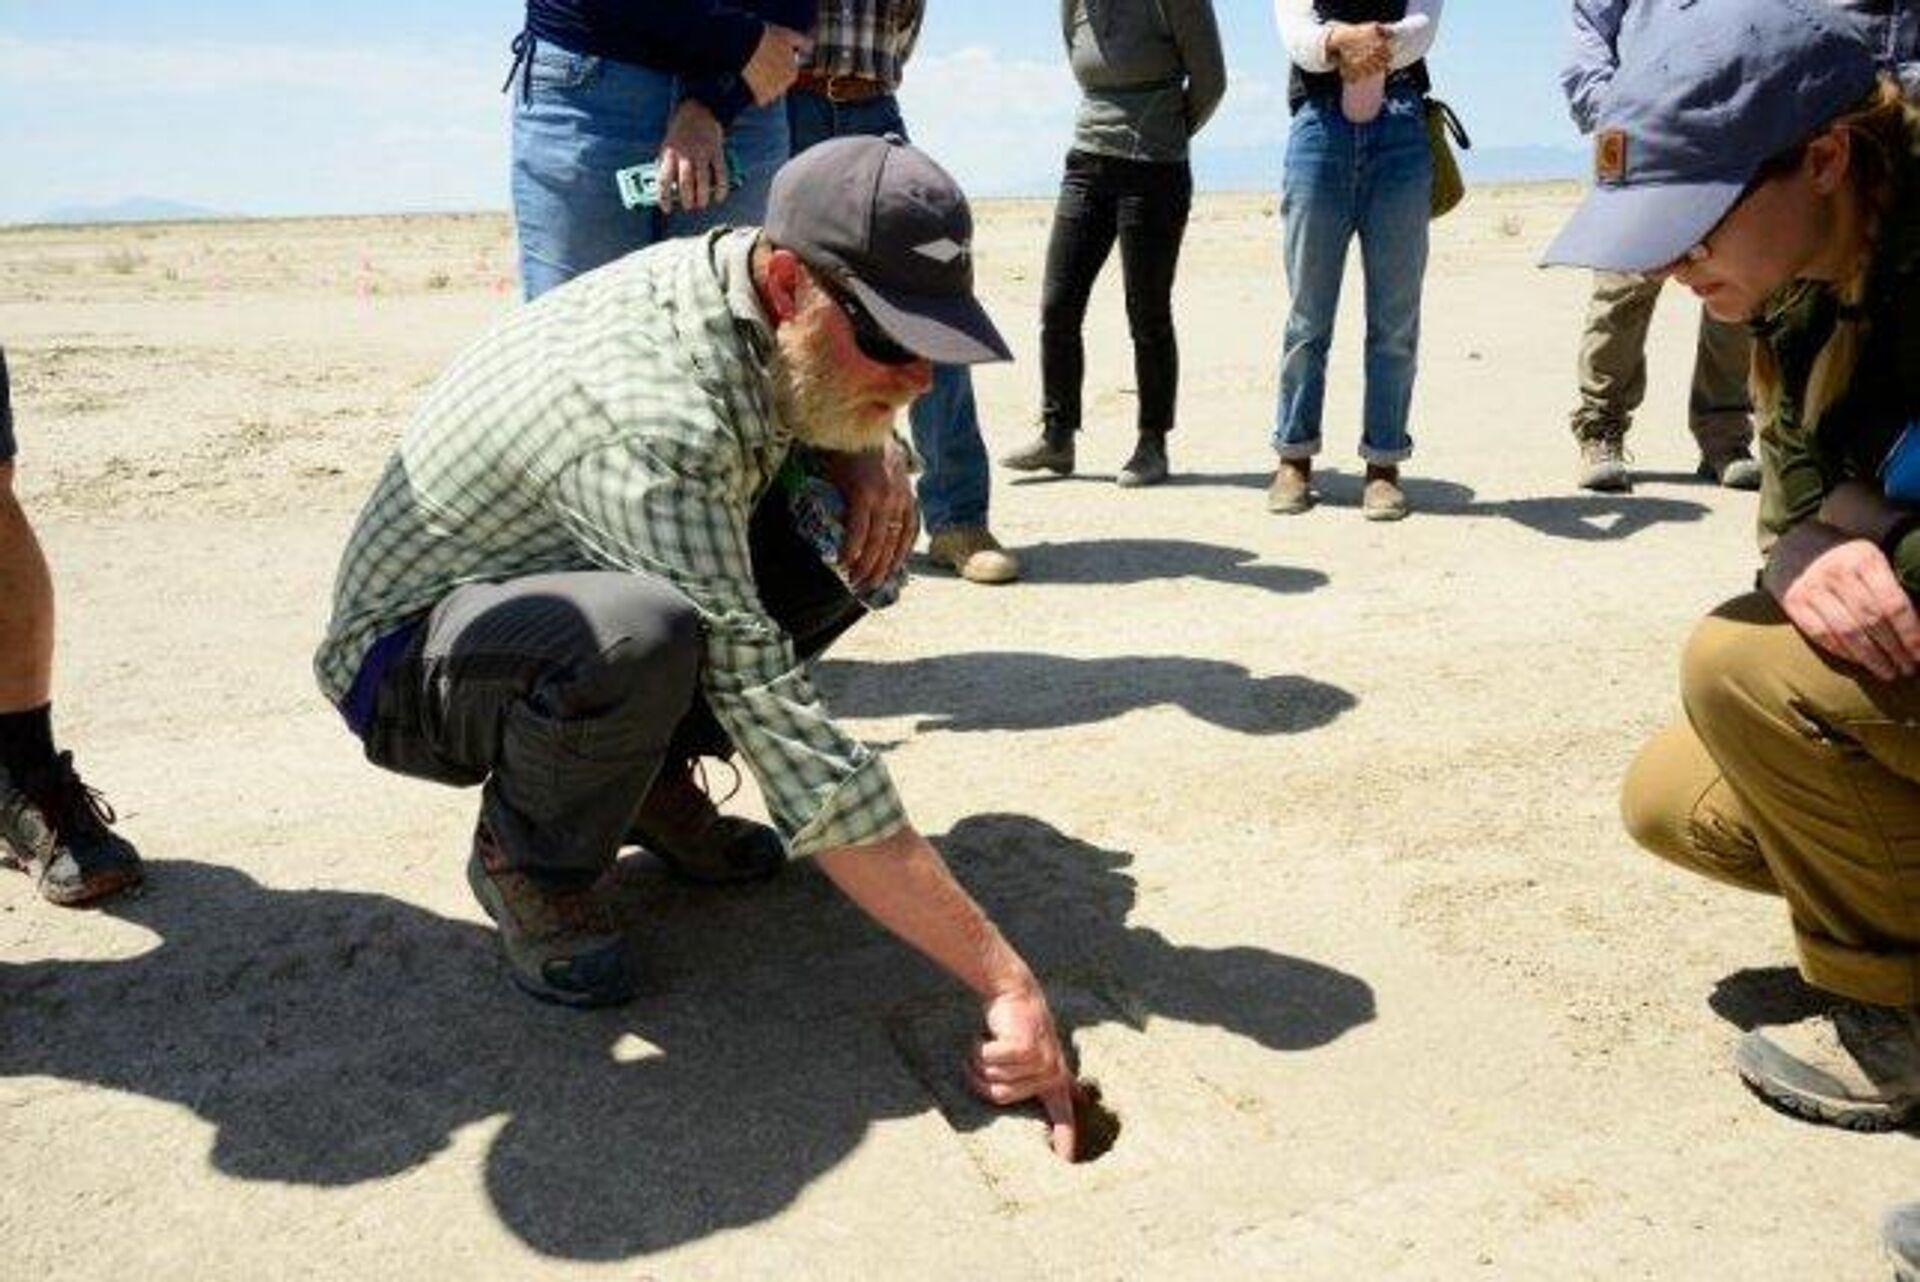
1676,803
1719,407
560,692
1084,227
1822,765
1395,198
1317,221
1152,220
52,825
577,120
1612,370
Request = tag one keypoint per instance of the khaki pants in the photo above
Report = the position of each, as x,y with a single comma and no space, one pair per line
1797,777
1613,369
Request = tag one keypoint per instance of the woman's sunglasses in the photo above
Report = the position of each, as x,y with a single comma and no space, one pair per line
867,334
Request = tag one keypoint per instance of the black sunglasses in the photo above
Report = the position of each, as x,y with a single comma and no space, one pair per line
867,334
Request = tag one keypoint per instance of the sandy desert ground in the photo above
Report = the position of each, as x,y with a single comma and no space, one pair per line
1309,823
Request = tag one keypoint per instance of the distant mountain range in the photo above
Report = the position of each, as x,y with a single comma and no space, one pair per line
133,209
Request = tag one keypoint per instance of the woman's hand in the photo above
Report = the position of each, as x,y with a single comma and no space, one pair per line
1359,48
1840,591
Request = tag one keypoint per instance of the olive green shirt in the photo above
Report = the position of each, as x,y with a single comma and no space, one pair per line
1853,437
1150,71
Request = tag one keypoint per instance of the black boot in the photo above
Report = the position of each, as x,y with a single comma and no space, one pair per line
1148,466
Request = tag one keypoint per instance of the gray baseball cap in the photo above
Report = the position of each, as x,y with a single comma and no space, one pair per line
891,227
1707,91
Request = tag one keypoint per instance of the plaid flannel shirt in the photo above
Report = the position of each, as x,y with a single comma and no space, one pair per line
622,422
868,39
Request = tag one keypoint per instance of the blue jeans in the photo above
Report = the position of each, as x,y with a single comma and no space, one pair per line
578,119
1342,180
945,422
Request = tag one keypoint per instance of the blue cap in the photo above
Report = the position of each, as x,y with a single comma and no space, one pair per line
1707,91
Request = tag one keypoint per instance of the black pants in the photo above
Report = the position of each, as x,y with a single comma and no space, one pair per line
1144,204
565,693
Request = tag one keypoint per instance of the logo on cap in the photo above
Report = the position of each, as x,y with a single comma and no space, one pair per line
942,251
1610,156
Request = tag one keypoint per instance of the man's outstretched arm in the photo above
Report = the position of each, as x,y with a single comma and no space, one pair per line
902,883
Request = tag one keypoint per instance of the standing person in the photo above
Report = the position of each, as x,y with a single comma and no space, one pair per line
1613,350
860,51
52,826
564,564
601,87
1750,149
1151,73
1370,177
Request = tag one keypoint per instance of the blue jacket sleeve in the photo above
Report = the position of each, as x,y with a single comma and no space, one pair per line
726,95
1591,58
695,37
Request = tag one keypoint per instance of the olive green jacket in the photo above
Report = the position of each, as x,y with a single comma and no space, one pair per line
1851,440
1151,72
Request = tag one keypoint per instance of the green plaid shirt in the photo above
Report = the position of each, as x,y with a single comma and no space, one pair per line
870,39
623,422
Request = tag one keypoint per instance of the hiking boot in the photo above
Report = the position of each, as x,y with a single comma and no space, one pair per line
1603,465
1148,466
682,828
558,937
55,828
1855,1066
1381,498
974,554
1735,470
1900,1234
1292,488
1051,451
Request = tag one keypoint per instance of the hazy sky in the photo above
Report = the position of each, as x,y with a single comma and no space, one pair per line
270,106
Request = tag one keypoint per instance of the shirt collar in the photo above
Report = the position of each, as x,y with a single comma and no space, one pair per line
733,258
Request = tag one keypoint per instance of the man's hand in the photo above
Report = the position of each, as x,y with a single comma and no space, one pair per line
1360,48
882,518
1842,594
693,160
776,62
902,883
1021,1058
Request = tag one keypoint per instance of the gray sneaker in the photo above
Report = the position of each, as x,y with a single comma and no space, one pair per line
56,830
1856,1066
1737,470
1603,465
559,942
1900,1234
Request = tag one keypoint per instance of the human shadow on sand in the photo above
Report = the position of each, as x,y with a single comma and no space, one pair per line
1586,518
331,1037
1119,561
1026,690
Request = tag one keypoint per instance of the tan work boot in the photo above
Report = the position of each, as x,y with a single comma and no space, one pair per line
680,826
974,554
1292,489
1381,498
1855,1066
1603,465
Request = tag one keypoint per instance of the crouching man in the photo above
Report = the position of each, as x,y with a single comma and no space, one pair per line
581,570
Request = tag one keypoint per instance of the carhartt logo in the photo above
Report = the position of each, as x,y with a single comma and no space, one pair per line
1610,155
941,251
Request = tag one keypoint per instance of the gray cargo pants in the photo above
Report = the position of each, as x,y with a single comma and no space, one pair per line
565,694
1613,369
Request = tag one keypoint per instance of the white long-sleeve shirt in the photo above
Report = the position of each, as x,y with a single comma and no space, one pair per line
1305,35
